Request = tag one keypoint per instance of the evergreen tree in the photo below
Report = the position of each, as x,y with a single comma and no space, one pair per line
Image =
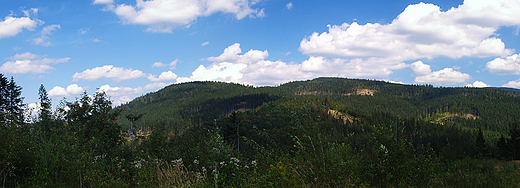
480,144
45,109
3,96
514,140
503,150
14,103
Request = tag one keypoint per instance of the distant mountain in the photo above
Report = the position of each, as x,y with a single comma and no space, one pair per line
185,105
517,91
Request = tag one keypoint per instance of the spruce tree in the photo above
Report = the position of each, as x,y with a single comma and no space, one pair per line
3,96
45,109
14,103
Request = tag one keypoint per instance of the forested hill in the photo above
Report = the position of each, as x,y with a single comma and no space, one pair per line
188,104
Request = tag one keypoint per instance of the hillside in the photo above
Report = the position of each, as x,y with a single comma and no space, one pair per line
326,132
334,132
188,104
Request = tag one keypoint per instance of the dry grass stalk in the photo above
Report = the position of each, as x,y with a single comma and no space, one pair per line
177,176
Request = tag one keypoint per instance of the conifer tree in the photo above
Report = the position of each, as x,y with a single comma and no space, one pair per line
45,109
3,96
480,144
14,103
514,140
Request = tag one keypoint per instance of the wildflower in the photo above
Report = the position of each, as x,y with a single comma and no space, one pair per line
222,163
253,163
204,169
233,159
196,161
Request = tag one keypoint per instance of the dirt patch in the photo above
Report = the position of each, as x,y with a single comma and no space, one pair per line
369,92
338,115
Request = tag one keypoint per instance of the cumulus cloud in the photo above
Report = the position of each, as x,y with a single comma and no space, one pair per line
72,89
421,31
478,84
505,66
515,84
446,76
108,71
165,15
28,62
33,108
231,55
11,26
126,94
172,64
420,69
44,35
164,76
252,68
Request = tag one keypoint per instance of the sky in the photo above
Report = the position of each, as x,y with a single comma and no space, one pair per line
128,48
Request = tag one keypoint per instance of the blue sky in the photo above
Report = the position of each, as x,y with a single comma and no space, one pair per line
129,48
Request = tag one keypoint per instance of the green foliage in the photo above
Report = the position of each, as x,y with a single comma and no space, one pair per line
327,132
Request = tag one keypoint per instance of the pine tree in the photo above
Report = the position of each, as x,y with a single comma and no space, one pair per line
45,109
3,96
14,103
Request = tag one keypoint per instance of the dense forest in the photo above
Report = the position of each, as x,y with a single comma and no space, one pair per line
326,132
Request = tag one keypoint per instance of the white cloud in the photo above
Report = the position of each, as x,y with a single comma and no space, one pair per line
96,40
28,62
28,13
515,84
103,1
478,84
164,76
108,71
252,68
44,35
505,66
32,110
227,72
165,15
24,56
118,91
231,55
420,69
445,76
205,43
126,94
11,26
172,64
421,31
159,64
72,89
289,5
155,85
